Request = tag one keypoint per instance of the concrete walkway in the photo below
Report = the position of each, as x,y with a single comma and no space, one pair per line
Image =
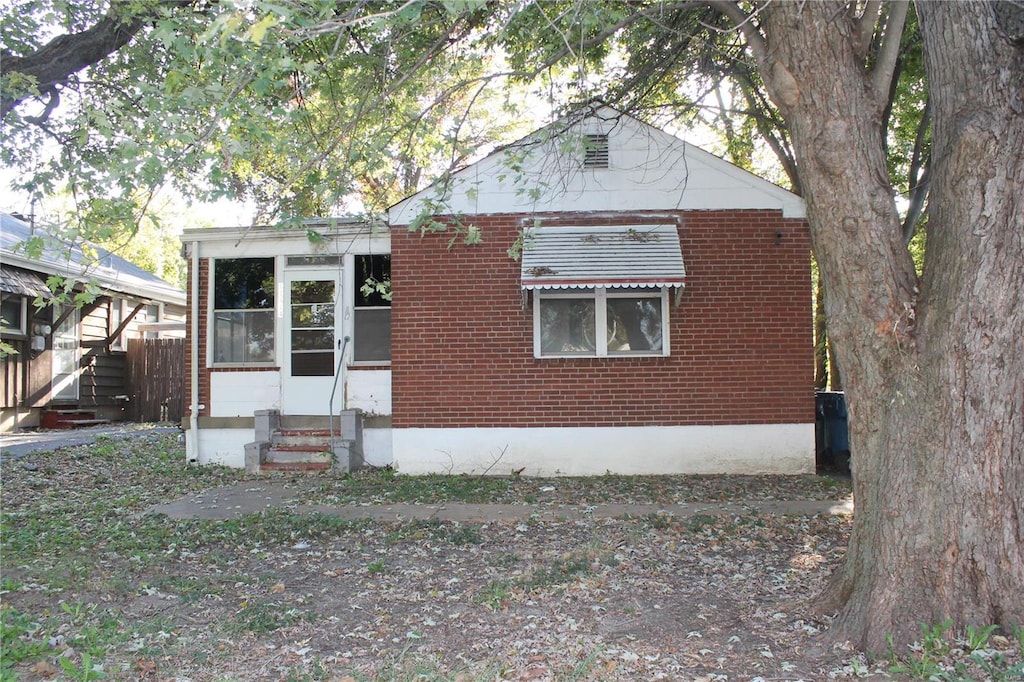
20,443
230,502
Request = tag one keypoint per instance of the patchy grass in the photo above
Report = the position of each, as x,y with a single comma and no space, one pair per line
385,486
978,653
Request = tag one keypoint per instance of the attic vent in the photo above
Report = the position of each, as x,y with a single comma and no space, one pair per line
595,152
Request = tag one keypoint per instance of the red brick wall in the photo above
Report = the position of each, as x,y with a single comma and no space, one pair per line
741,349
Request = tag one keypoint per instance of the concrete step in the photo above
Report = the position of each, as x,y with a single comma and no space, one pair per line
296,449
295,466
296,438
298,455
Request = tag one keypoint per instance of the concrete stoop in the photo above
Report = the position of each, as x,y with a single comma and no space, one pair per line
305,443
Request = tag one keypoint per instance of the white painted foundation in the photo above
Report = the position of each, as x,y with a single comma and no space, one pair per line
377,447
723,449
223,446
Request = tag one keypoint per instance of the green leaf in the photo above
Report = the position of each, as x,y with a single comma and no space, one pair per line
260,28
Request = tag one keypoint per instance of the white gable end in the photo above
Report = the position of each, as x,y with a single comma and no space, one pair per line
648,170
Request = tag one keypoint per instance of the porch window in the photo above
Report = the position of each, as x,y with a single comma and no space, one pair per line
243,311
13,313
371,340
600,322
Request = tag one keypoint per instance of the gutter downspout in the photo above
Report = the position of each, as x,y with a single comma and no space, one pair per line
192,452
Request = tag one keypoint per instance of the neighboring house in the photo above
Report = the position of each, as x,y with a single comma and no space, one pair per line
657,321
69,364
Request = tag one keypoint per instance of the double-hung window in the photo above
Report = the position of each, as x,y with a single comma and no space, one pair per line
243,311
601,322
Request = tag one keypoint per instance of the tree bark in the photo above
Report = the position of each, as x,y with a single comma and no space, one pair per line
820,337
933,369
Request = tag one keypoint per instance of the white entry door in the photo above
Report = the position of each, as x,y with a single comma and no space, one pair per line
312,342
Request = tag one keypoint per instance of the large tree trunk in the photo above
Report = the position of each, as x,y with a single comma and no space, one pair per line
933,370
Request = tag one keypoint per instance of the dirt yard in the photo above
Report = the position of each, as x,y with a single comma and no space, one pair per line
94,585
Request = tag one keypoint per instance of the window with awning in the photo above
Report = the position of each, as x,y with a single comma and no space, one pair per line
17,289
602,291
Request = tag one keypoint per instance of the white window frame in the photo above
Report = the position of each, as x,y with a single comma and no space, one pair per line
21,329
159,307
357,309
121,305
211,314
600,296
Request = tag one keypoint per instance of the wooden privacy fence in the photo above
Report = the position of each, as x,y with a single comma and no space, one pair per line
156,379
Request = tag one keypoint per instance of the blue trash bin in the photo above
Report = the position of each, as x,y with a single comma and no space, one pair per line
832,431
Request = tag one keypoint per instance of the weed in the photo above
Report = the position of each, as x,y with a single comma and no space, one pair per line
698,522
559,572
495,593
977,638
465,535
933,658
658,521
82,672
504,560
582,670
264,617
923,663
20,640
376,566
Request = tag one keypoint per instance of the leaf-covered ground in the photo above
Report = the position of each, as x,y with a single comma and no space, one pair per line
94,585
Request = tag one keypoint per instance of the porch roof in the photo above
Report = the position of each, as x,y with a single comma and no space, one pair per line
22,282
602,256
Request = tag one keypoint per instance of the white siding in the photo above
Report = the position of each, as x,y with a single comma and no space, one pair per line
369,390
649,170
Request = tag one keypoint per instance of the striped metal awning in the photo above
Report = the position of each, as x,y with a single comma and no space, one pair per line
584,257
23,283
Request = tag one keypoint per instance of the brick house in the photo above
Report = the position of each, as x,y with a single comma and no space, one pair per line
656,318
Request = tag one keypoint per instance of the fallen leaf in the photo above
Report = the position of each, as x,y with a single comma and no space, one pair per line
44,669
145,667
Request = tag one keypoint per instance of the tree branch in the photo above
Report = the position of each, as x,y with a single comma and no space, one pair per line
865,27
919,175
888,54
56,62
743,22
